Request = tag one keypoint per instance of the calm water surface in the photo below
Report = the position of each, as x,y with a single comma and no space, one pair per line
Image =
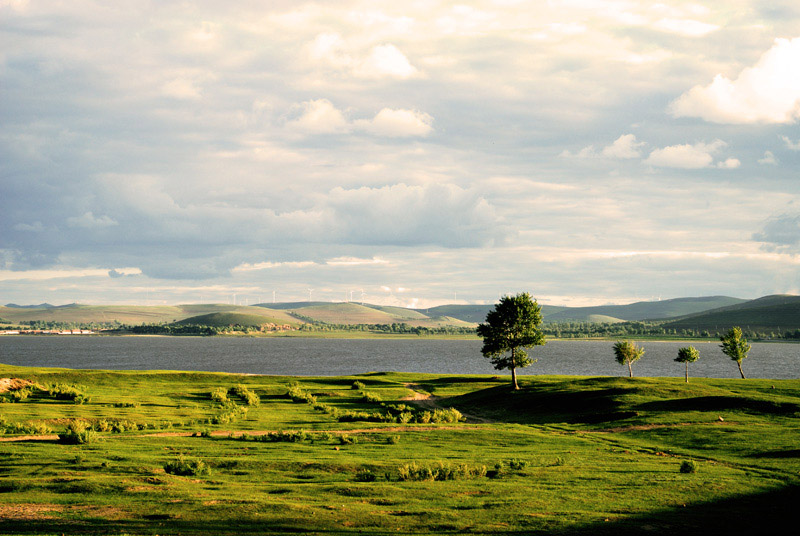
331,357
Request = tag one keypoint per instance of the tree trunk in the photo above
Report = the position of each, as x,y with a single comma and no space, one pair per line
740,369
514,378
630,370
687,372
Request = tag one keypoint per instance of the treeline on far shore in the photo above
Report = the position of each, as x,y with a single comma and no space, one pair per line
561,330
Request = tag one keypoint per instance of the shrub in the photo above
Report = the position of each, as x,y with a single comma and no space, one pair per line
365,475
75,393
446,415
439,472
220,395
126,404
186,467
517,464
358,386
249,397
371,398
78,432
345,439
393,440
559,461
689,466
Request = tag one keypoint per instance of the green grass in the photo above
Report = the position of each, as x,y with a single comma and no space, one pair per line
571,455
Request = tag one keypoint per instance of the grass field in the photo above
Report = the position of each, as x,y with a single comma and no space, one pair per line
567,455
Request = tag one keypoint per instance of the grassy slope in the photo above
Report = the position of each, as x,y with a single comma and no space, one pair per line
602,457
129,314
241,319
769,313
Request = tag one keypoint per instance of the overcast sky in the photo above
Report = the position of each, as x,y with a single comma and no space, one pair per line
413,153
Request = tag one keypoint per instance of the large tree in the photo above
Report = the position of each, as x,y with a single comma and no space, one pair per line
510,327
687,355
735,346
626,353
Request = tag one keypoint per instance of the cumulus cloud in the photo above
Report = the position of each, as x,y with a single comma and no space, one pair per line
319,117
729,163
768,159
35,227
385,60
768,92
625,146
697,156
398,123
90,221
381,61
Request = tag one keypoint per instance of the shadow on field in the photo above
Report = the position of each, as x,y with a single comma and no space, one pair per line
722,403
544,405
765,513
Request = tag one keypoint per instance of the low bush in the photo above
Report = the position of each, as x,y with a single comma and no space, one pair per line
365,475
220,395
248,396
371,398
689,466
345,439
186,467
78,432
74,393
439,472
358,386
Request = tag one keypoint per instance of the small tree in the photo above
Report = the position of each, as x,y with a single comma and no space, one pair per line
687,355
626,353
735,346
512,326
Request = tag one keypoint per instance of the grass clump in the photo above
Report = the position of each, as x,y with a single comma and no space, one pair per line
439,472
358,386
74,393
78,432
186,467
220,395
689,466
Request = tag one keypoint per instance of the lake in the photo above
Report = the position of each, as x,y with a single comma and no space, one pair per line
333,357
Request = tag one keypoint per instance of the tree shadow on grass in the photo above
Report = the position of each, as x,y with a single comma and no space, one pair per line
721,403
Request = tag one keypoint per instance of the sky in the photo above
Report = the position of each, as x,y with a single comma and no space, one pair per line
400,153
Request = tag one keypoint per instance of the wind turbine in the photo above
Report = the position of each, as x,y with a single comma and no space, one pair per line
362,296
309,293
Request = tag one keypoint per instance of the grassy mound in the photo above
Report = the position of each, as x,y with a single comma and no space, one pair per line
233,319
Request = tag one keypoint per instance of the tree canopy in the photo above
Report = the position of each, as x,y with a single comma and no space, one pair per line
735,346
510,327
687,355
627,353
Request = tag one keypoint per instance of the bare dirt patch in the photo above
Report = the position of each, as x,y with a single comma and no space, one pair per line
28,512
13,384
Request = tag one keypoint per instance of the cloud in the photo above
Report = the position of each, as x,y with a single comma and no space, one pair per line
625,147
768,159
781,234
442,214
382,61
90,221
35,227
768,92
794,146
687,27
385,60
730,163
697,156
398,123
181,88
319,117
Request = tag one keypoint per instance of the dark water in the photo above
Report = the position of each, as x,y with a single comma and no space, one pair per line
330,357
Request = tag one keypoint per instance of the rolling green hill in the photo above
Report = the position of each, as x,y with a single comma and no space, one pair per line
239,319
778,313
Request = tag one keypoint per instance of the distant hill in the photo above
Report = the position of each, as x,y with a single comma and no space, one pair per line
779,313
602,313
40,306
125,314
240,319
